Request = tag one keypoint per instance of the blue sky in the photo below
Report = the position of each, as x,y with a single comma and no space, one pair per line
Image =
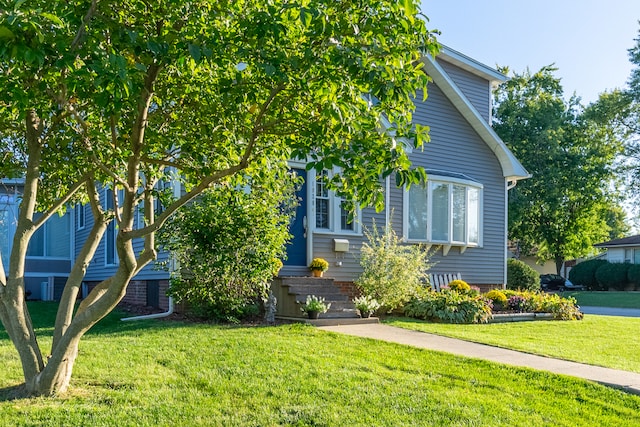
586,39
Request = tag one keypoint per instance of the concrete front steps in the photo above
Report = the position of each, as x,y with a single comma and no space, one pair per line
292,292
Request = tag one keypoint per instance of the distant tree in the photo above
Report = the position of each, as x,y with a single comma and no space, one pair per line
129,94
563,209
621,109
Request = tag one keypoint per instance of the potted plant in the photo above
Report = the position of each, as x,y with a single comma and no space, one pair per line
318,266
366,305
314,306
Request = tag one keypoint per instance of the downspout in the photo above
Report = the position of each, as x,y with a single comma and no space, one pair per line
169,312
507,186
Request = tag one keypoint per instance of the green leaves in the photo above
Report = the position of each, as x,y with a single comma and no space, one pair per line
559,212
6,34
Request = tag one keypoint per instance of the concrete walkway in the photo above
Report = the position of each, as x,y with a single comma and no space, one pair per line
611,311
628,381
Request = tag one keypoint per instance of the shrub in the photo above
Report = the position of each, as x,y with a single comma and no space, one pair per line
459,285
633,275
498,298
612,275
521,276
517,303
392,273
450,306
229,243
584,274
563,308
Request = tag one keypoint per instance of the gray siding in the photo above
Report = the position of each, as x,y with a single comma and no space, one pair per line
476,89
454,147
97,270
350,268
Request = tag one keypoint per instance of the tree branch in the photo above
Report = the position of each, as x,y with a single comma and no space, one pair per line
60,202
85,23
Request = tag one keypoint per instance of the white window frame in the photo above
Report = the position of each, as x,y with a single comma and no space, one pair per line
335,210
451,182
80,216
113,233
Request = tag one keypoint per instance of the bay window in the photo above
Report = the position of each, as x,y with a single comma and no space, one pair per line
447,211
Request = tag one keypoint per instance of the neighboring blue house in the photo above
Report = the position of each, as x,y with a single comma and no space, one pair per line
462,212
50,251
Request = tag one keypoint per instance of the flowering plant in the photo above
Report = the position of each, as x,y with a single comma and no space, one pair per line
314,303
366,304
517,303
319,264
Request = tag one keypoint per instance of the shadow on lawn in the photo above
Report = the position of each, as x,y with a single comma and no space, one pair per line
15,392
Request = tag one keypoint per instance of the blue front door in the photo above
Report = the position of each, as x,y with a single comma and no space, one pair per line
297,249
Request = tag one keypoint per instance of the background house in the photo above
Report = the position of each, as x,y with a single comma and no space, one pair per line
51,249
626,249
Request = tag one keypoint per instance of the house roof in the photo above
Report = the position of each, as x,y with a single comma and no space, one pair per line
512,169
471,65
625,241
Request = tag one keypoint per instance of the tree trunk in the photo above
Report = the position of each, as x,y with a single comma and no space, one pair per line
559,263
56,376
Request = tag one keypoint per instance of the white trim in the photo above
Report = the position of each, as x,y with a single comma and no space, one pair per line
505,243
310,221
469,64
334,211
511,167
115,229
80,213
446,245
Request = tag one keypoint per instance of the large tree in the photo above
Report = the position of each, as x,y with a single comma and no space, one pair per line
129,93
564,208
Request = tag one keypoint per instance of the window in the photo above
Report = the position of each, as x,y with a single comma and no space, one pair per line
110,252
332,212
53,239
447,211
80,216
4,237
636,256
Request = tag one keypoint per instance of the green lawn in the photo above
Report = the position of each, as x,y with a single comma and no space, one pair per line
606,299
597,340
160,373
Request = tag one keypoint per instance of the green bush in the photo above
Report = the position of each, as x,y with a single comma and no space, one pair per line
449,306
521,276
392,272
584,274
612,275
228,244
633,275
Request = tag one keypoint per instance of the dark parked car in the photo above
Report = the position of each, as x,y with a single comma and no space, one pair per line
554,282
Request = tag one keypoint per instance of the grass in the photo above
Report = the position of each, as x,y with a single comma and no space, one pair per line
606,299
597,340
160,373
